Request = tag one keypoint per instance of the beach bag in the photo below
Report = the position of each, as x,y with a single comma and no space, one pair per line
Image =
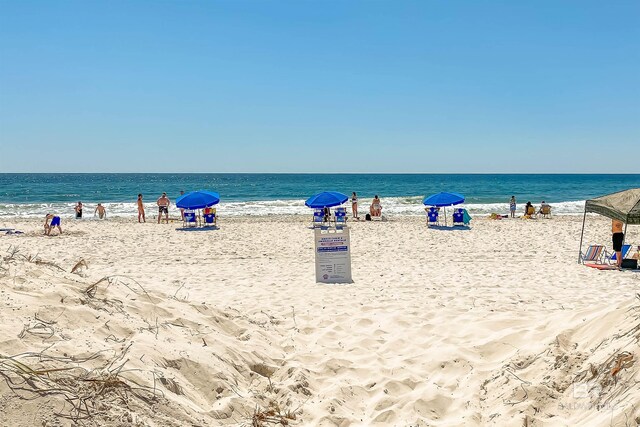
629,263
367,217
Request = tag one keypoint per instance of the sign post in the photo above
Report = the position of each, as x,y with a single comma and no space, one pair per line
333,255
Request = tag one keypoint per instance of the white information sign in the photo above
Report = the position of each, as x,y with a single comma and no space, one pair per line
333,256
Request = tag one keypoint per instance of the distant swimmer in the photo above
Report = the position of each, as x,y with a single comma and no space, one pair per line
51,221
100,211
141,209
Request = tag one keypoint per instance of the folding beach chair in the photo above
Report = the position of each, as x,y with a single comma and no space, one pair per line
318,218
594,253
546,211
210,218
458,217
190,219
612,258
432,216
341,217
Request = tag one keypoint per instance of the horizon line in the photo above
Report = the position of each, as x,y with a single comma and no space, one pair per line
322,173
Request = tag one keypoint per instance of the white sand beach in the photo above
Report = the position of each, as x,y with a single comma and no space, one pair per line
497,325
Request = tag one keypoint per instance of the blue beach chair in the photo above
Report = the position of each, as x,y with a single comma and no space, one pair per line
210,218
341,217
432,216
458,217
190,219
613,259
318,218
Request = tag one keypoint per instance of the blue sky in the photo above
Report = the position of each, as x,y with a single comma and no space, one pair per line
320,86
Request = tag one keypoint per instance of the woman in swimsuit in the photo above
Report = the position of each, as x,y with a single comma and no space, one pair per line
354,204
79,210
376,208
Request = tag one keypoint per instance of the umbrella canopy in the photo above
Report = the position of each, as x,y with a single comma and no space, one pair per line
623,206
198,200
443,199
326,199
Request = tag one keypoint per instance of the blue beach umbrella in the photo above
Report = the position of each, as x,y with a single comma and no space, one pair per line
326,199
443,200
198,200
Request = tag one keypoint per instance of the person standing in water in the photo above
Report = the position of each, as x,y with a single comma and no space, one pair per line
354,205
618,239
141,209
101,211
78,210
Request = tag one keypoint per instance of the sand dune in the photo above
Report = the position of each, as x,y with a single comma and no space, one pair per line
496,325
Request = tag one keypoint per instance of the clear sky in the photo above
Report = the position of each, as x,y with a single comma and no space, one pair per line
320,86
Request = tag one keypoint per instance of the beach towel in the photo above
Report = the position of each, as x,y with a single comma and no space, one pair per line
466,217
602,266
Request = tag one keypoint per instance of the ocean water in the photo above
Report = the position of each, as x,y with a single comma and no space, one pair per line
32,195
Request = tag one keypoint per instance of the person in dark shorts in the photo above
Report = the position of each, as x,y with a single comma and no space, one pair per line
618,239
78,210
163,207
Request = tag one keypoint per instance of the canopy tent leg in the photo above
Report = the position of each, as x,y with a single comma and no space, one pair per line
584,218
624,235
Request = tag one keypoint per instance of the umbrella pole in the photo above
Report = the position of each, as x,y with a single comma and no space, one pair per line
582,233
445,216
624,235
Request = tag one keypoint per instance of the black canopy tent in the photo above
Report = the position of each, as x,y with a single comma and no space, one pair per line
623,206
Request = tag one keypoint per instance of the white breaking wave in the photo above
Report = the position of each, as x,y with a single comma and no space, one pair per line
390,206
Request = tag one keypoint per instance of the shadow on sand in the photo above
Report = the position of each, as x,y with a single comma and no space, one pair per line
449,227
209,228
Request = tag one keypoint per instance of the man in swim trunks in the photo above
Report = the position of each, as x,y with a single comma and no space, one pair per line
141,209
55,222
163,207
618,239
101,211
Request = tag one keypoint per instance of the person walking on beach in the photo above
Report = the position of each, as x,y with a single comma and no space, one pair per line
512,206
141,209
618,239
55,222
78,210
354,205
163,207
101,211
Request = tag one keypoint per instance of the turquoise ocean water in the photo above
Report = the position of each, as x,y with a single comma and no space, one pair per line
261,194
